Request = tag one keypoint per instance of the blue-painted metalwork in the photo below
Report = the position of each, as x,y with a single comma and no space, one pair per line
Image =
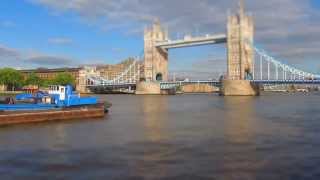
286,81
172,85
25,96
27,107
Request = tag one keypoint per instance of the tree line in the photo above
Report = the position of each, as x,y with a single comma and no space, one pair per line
14,79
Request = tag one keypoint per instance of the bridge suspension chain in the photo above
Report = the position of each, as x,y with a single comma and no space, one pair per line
274,67
130,75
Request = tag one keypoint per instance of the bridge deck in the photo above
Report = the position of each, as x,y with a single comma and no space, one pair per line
193,41
286,81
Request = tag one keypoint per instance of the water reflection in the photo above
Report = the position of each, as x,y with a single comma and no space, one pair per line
239,158
155,116
239,119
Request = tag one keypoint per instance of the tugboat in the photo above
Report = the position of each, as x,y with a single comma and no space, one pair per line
58,103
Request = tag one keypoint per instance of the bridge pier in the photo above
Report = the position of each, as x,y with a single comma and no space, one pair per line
148,88
152,88
239,88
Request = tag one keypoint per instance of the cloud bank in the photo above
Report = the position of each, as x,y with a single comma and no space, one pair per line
10,57
290,29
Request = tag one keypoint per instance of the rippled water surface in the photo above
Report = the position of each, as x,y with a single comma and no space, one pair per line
173,137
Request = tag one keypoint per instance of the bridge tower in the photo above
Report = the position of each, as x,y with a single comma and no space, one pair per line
240,55
155,60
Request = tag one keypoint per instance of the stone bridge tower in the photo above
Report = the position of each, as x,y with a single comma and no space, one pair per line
155,59
240,55
240,52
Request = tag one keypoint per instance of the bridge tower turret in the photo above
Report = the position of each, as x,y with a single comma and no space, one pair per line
155,59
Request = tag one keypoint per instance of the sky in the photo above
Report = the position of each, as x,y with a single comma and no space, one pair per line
59,33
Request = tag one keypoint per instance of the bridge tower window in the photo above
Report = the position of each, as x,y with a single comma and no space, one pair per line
159,77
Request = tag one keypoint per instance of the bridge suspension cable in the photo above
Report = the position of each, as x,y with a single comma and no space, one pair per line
130,75
275,67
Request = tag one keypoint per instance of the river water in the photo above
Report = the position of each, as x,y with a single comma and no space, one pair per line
274,136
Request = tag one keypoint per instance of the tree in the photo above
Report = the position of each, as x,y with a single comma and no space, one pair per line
47,82
11,78
64,79
33,79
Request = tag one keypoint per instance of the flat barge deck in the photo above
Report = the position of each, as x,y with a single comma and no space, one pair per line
22,117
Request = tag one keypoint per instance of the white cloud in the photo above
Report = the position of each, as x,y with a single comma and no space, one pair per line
292,23
10,57
8,52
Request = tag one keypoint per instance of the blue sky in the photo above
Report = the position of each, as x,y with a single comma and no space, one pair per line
30,27
55,33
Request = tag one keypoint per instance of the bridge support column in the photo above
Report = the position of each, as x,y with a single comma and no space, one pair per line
152,88
148,88
239,88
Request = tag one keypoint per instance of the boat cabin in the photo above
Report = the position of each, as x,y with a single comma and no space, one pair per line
61,96
58,90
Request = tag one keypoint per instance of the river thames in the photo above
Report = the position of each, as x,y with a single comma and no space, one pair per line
274,136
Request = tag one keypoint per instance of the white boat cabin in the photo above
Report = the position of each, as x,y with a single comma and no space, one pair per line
58,90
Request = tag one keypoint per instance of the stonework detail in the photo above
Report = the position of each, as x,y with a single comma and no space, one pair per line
148,88
239,88
240,39
199,88
155,59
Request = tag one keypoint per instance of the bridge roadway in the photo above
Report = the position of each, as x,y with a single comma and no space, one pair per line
115,85
286,81
168,85
171,85
193,41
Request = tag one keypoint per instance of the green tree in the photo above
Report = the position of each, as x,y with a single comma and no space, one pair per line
11,78
33,79
47,82
64,79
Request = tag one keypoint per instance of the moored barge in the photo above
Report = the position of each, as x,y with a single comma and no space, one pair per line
59,103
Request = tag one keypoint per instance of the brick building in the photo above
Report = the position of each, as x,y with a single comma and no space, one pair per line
48,74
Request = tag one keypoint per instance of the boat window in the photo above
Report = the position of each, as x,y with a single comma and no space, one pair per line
62,90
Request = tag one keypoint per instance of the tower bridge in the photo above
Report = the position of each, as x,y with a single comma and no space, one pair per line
240,55
247,65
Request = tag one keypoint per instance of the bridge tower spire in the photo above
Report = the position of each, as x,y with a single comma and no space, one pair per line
241,8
